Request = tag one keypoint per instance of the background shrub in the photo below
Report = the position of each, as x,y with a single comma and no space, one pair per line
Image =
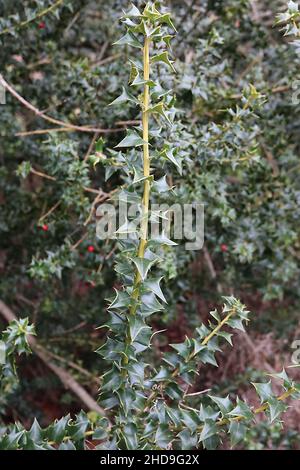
237,132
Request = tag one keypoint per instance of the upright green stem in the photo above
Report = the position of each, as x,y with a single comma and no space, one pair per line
146,159
146,193
146,171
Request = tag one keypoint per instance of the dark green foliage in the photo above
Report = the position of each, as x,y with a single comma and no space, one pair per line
233,146
13,342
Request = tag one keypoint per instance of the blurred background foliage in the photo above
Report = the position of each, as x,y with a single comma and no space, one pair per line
237,132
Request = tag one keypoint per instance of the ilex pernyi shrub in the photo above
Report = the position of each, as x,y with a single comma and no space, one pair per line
148,405
151,407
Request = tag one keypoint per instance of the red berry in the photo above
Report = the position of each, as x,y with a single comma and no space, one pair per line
91,249
42,25
224,248
45,227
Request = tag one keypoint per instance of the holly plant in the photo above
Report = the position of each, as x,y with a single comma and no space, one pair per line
150,403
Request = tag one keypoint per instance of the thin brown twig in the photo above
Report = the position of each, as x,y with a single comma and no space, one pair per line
43,131
109,255
73,365
88,190
211,268
103,50
67,125
43,61
92,143
99,198
42,175
106,60
49,212
271,159
131,122
76,245
72,22
96,191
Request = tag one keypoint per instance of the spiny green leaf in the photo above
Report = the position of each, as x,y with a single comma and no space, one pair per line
161,185
191,419
183,349
163,436
237,432
162,240
127,228
187,439
209,430
133,12
170,155
154,286
276,408
143,266
136,326
111,380
129,434
264,391
121,300
124,97
287,382
242,409
132,139
224,404
163,57
130,40
166,19
149,304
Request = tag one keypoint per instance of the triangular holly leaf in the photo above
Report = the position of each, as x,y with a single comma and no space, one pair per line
159,108
136,326
169,155
134,12
241,409
132,139
122,299
152,32
130,40
227,336
224,404
143,266
124,97
130,197
156,216
287,382
237,432
264,391
166,19
162,240
150,305
163,57
183,349
151,12
209,430
167,39
127,227
163,436
135,78
161,185
276,407
154,286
